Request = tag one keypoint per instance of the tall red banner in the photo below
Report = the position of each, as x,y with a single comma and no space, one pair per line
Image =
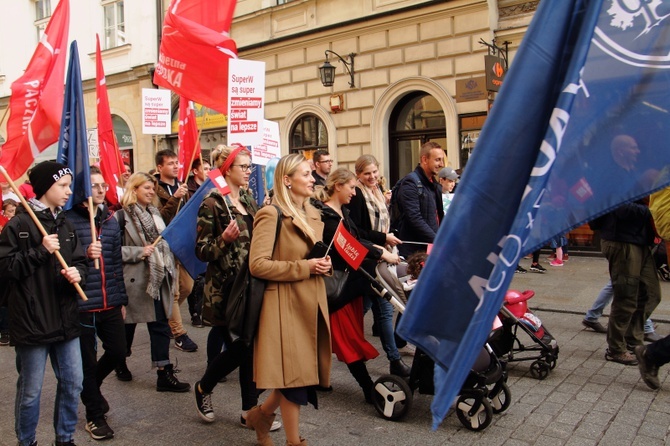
36,103
111,163
195,49
189,145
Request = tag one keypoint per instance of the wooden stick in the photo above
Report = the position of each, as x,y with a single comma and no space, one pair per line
158,239
94,234
25,204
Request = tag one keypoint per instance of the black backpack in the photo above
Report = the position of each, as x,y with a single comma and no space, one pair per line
395,211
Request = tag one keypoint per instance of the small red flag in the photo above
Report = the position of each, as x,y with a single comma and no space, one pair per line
111,163
36,103
219,181
189,146
348,247
195,49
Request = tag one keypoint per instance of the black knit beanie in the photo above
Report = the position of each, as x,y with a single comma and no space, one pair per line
45,174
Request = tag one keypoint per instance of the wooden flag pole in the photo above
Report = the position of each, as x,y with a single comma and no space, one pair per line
25,204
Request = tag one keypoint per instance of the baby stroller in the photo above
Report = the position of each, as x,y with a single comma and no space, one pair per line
516,318
484,392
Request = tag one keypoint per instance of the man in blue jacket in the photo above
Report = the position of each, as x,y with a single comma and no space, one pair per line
420,201
101,314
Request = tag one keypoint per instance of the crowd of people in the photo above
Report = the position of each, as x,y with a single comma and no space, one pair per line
129,275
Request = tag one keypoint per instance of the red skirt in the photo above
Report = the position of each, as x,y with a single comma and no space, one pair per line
346,329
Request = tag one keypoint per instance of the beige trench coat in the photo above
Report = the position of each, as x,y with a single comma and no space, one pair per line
292,347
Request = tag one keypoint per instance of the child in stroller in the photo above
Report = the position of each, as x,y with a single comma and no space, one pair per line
484,392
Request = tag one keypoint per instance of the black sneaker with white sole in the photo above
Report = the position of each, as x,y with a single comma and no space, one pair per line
203,402
537,268
185,344
99,430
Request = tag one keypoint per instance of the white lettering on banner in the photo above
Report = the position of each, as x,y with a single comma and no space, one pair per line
246,102
30,103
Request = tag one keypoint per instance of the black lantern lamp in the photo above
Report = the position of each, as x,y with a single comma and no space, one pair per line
327,71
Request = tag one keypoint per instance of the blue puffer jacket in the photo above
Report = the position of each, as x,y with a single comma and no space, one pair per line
104,287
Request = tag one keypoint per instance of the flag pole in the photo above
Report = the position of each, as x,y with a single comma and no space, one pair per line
25,204
94,235
158,239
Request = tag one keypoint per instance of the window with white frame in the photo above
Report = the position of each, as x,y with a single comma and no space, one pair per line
115,26
42,15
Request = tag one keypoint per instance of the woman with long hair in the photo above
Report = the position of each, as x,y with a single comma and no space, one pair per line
346,318
292,351
149,275
369,212
225,226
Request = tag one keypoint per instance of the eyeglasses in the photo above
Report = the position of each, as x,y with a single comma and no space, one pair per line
325,162
244,167
100,186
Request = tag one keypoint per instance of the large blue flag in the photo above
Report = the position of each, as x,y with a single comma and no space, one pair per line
73,143
579,127
181,232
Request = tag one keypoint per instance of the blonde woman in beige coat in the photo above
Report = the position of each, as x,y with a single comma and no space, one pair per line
292,350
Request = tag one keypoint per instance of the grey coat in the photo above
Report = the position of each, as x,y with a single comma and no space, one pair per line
136,275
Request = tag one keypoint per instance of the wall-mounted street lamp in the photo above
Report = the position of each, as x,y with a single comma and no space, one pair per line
327,71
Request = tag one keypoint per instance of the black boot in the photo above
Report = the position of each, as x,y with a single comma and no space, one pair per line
168,382
399,368
122,372
360,372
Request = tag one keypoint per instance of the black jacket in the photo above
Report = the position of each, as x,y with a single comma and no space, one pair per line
42,304
629,223
105,288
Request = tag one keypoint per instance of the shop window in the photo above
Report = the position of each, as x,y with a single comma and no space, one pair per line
308,134
115,27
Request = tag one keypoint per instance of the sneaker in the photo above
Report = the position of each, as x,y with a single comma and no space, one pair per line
537,268
64,443
168,382
122,372
520,270
652,337
276,425
185,344
4,338
551,256
566,257
648,370
196,321
664,272
203,402
625,358
595,326
99,430
556,262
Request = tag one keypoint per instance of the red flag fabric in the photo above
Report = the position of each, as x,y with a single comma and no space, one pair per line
219,181
189,145
111,163
195,49
36,103
348,247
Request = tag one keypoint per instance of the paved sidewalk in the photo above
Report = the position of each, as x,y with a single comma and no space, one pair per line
584,400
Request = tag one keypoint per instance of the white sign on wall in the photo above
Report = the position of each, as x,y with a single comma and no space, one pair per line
156,112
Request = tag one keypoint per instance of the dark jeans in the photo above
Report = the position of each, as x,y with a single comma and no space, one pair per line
659,352
159,337
109,327
636,292
236,355
215,341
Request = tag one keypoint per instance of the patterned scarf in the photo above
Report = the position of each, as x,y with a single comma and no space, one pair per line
379,214
161,263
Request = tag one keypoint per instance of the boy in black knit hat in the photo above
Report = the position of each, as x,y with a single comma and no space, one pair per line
43,309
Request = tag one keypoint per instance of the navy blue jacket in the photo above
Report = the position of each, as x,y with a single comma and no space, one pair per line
104,287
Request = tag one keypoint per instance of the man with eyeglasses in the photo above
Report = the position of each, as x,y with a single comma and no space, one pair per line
102,314
322,166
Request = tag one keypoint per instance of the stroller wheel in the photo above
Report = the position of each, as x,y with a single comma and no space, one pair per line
474,419
551,360
539,370
501,401
392,397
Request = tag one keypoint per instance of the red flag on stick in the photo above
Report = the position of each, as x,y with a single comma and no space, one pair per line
36,103
111,163
348,247
195,49
189,147
219,181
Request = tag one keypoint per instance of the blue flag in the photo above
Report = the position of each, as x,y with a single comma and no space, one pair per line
579,127
181,233
73,143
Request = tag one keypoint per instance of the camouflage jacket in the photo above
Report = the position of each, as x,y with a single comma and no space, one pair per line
223,260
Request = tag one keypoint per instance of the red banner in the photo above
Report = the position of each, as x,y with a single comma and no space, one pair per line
111,163
189,144
348,247
219,181
195,49
36,103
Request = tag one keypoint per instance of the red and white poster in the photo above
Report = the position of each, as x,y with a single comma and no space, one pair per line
246,106
348,247
270,147
156,114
